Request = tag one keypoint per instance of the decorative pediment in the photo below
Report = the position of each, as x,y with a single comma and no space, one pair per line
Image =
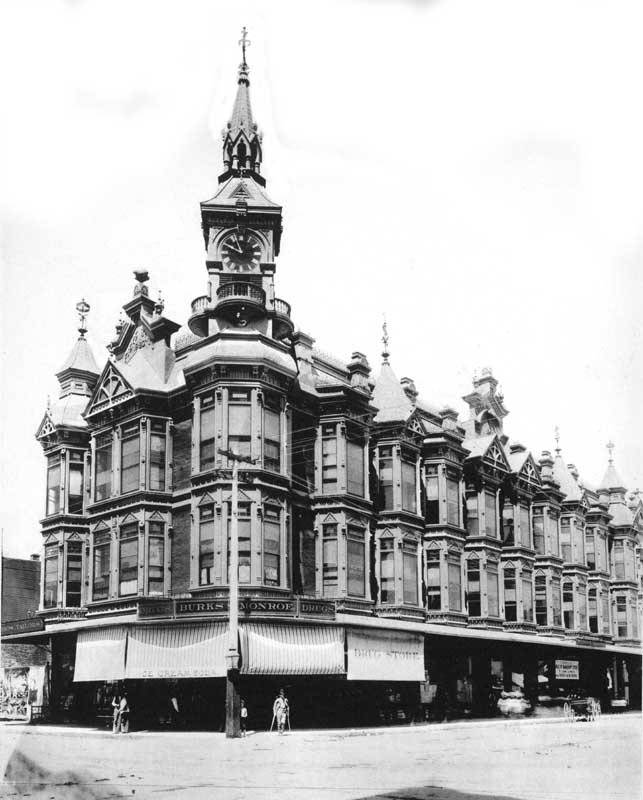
354,519
128,519
329,519
75,537
415,425
206,500
51,540
102,526
111,389
243,497
46,427
495,456
530,472
156,517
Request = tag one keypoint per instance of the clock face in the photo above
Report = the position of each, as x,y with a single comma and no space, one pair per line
241,252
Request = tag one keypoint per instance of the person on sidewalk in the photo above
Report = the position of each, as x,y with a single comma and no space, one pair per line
281,710
123,710
244,718
116,705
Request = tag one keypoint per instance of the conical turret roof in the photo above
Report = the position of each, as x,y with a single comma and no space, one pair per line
612,481
390,398
80,359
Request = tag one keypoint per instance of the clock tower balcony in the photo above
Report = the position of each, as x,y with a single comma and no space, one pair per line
241,302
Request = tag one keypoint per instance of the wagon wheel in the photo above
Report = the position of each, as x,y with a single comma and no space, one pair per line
568,712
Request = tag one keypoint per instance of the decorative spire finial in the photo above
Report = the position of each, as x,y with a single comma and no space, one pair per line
159,305
244,42
610,448
141,275
557,438
385,351
82,308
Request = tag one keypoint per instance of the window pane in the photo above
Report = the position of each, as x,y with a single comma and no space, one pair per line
51,576
492,593
355,468
75,489
408,487
432,500
74,577
473,586
356,564
490,514
128,566
453,501
409,578
157,462
53,485
271,552
103,467
387,576
130,457
455,587
156,561
100,589
329,465
433,587
510,595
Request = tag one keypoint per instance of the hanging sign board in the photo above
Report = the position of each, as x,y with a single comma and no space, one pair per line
566,670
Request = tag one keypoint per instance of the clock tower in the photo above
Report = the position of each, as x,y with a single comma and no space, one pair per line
241,231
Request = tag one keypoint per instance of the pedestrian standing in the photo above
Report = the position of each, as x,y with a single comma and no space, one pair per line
116,705
123,709
244,718
281,711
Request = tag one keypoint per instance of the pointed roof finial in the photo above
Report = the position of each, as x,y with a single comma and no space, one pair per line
557,438
244,42
610,448
82,308
159,305
385,351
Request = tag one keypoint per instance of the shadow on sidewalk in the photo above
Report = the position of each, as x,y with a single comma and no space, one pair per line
433,793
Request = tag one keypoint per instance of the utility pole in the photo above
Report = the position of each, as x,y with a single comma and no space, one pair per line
233,704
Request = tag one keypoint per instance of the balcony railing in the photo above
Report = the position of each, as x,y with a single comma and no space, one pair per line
282,307
200,304
244,291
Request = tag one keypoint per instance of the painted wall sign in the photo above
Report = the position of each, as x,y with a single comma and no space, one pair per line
23,626
385,656
248,607
566,670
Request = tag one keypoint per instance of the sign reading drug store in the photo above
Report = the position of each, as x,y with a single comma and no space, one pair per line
384,656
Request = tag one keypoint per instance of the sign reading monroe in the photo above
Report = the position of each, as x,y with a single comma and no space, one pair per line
248,607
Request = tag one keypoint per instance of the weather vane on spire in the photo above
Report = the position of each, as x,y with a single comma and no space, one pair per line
385,352
244,42
557,438
83,310
610,448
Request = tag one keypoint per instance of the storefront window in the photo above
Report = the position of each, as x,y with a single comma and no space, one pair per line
128,560
432,496
75,488
510,594
130,458
156,559
455,583
329,555
541,599
387,571
239,415
433,586
53,484
410,573
271,545
409,501
555,603
51,576
206,545
243,539
527,597
355,467
491,522
492,590
206,431
157,456
356,558
73,578
538,524
525,527
103,466
568,605
272,433
102,557
329,459
473,586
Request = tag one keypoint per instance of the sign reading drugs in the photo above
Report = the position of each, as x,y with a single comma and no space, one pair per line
566,670
385,656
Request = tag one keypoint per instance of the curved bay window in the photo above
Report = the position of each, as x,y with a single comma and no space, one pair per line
128,560
271,432
53,484
356,561
130,458
156,558
271,545
50,599
387,571
206,545
433,580
473,587
101,566
73,574
103,474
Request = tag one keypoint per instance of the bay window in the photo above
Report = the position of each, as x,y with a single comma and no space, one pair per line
206,433
206,545
432,495
156,558
493,601
239,421
355,467
356,561
473,586
157,455
271,545
329,458
511,606
541,598
455,582
75,484
243,538
128,560
433,583
50,599
130,458
410,573
101,571
527,598
387,571
53,484
103,481
409,492
568,605
272,433
329,560
73,576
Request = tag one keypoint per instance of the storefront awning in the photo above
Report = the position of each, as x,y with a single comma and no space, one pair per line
100,654
384,656
292,649
177,651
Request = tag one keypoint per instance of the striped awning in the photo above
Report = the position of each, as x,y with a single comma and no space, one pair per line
100,654
177,651
292,649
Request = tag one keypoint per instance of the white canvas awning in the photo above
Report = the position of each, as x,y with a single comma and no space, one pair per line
384,655
269,649
100,654
177,651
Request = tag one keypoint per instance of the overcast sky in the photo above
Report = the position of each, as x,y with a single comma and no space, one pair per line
472,169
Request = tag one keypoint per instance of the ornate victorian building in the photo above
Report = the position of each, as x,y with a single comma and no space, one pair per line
394,561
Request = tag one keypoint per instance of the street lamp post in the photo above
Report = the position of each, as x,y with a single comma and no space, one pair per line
233,701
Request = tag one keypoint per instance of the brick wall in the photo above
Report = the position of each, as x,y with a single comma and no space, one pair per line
20,588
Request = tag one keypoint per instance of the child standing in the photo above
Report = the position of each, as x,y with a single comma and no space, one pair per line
244,718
